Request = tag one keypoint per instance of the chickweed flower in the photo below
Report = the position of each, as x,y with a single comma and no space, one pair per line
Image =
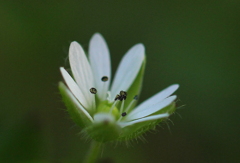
106,111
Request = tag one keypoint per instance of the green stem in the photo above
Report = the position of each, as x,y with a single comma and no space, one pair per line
93,152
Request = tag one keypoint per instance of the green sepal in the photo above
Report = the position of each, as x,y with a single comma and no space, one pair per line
136,86
104,131
77,113
137,129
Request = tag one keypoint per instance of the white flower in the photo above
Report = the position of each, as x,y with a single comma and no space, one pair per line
107,113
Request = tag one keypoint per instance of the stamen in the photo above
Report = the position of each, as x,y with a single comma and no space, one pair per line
135,98
105,84
124,114
104,78
93,90
117,97
123,95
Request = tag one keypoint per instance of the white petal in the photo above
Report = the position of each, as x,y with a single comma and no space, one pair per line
82,71
100,63
128,69
156,98
150,118
154,108
82,111
74,88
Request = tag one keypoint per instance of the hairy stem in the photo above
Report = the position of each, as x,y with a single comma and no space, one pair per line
93,152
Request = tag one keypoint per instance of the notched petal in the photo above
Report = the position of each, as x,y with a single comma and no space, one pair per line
156,98
101,65
82,71
128,69
152,109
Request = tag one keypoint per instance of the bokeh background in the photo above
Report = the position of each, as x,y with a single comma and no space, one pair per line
193,43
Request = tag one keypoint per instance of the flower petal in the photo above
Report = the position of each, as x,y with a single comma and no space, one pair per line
156,98
136,87
74,87
82,72
100,62
128,69
150,118
74,108
148,111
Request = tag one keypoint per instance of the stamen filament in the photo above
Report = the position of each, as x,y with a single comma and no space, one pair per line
131,103
105,80
115,102
120,118
93,92
122,115
122,105
94,102
121,110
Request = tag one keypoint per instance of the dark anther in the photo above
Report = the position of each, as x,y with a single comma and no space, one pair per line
121,96
104,78
124,114
135,97
93,90
123,93
117,97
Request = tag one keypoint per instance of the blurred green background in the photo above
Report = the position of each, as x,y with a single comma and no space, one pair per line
193,43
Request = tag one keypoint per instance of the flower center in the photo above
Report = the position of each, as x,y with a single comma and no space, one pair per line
111,108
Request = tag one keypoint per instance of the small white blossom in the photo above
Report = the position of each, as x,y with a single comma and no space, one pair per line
99,107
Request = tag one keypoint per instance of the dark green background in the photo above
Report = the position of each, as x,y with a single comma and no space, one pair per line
193,43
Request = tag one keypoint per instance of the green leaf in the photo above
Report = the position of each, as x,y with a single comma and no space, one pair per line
76,111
